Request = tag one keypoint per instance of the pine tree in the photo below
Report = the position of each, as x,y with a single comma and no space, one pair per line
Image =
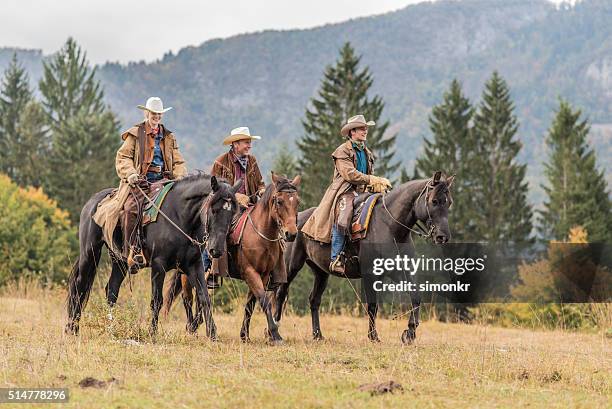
343,93
450,150
576,191
69,86
84,148
84,132
15,94
499,190
33,149
285,163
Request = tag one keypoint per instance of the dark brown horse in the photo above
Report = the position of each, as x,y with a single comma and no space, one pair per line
270,222
392,220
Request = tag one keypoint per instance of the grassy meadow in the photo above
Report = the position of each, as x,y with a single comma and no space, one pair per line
451,365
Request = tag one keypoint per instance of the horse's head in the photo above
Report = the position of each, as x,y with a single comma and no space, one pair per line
217,214
433,205
284,201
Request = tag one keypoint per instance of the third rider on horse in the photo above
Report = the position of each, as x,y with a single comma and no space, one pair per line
354,165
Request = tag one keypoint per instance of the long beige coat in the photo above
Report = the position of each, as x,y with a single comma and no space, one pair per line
128,162
346,178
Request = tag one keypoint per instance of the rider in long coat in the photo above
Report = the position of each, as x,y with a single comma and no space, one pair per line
353,168
149,153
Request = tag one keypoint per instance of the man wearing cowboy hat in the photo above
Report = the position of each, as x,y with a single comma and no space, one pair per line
354,165
149,153
238,163
233,165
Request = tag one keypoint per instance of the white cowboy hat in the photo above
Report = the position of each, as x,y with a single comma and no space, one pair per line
356,121
239,134
154,104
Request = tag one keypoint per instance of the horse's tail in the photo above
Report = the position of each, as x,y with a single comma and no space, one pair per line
72,298
172,290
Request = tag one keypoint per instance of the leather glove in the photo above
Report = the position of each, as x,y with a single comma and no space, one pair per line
242,199
379,184
133,179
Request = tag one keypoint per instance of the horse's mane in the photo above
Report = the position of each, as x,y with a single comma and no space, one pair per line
198,177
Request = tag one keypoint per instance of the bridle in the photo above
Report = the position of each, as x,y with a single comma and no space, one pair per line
426,232
276,216
205,210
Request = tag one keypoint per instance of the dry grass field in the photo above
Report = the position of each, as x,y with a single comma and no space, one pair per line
451,365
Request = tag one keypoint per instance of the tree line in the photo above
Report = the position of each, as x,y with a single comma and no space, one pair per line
63,138
477,142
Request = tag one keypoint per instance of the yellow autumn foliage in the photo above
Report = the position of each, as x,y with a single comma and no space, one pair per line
36,237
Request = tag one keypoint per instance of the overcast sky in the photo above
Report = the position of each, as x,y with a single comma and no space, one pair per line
126,30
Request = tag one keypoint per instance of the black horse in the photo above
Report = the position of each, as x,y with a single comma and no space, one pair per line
392,220
166,246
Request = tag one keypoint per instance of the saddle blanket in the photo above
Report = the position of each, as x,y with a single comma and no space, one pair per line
362,216
157,194
237,228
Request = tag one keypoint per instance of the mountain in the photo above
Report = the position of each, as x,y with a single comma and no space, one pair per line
265,80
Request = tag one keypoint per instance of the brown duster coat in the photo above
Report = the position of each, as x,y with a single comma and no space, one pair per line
224,168
127,162
346,178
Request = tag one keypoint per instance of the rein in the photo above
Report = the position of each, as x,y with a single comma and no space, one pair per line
279,224
423,233
191,239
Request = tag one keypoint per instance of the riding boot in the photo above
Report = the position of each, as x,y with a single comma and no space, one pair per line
131,251
337,245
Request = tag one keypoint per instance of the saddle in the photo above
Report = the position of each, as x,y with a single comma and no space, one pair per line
237,227
157,193
363,206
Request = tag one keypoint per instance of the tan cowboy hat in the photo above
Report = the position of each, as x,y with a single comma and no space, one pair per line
356,121
239,134
154,104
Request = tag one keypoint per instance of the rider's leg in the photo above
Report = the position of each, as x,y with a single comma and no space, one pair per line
337,245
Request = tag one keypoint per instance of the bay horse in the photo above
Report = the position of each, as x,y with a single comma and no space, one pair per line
167,246
393,218
270,222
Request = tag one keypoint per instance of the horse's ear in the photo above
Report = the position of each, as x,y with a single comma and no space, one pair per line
436,177
214,184
450,180
237,186
296,180
274,178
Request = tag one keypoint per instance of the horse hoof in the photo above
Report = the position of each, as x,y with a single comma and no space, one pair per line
276,342
408,336
71,329
317,336
373,336
245,338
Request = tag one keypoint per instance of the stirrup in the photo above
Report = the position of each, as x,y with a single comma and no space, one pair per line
337,266
214,282
136,260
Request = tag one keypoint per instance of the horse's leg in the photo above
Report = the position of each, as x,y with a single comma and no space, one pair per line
80,283
409,335
372,311
255,283
318,288
203,304
248,313
187,295
294,258
158,273
118,273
